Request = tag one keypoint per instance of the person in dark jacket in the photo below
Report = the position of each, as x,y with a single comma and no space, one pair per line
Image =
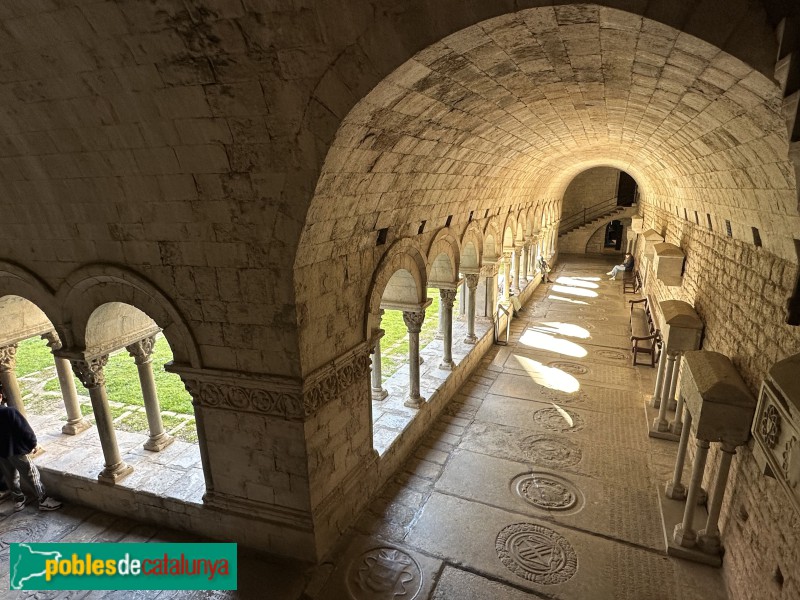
627,265
17,440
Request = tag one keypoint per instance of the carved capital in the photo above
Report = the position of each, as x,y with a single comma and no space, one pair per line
472,280
8,358
413,320
53,341
489,270
90,373
142,351
332,381
448,296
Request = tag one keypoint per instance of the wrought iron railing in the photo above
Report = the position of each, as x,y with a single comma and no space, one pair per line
587,214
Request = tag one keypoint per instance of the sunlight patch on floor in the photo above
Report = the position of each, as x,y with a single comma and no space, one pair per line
561,328
545,341
549,377
561,298
574,290
577,282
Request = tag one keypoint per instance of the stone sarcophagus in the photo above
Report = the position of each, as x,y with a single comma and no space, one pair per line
682,327
776,427
668,263
651,237
721,406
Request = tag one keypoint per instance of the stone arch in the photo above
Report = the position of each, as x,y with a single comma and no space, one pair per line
509,233
472,248
16,281
403,272
492,242
90,287
444,258
519,237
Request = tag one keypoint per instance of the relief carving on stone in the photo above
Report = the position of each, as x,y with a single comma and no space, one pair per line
240,398
770,426
142,350
332,381
383,574
8,358
90,372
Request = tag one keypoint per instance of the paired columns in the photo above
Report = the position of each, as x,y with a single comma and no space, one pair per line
91,375
142,353
447,297
378,391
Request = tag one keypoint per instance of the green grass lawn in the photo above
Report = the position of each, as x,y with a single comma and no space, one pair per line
394,345
33,355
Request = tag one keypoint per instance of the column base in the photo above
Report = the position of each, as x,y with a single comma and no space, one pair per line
677,542
675,491
158,443
676,428
74,428
657,429
113,474
379,394
655,402
447,366
672,405
710,544
471,340
414,402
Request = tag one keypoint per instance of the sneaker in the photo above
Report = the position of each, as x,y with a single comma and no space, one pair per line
609,273
49,504
20,504
612,278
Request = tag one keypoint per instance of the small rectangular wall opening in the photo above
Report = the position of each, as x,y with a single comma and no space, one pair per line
470,216
421,229
756,237
449,220
710,224
382,233
728,228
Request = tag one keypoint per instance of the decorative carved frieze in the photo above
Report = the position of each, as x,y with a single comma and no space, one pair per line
90,372
277,396
330,382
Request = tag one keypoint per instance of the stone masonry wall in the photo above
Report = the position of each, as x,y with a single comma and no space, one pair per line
740,292
590,187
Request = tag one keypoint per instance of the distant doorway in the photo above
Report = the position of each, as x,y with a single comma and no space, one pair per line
613,237
626,190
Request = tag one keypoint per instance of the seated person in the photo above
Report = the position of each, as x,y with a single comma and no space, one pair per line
627,265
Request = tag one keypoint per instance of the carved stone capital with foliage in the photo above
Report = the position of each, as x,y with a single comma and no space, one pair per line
142,351
90,373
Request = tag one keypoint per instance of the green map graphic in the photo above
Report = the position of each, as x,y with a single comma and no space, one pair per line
29,564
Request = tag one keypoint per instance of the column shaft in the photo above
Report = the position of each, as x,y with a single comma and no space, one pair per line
91,375
75,421
142,352
655,401
708,539
472,290
516,271
673,384
660,423
506,278
413,321
378,392
675,488
525,260
446,299
685,535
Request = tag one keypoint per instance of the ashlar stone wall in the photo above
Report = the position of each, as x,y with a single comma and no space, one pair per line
740,292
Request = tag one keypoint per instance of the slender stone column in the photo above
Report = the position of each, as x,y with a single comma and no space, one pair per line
8,377
655,401
676,426
446,299
90,373
526,259
142,353
708,539
472,289
660,423
516,270
672,396
506,277
378,391
675,488
75,421
440,331
413,321
684,535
